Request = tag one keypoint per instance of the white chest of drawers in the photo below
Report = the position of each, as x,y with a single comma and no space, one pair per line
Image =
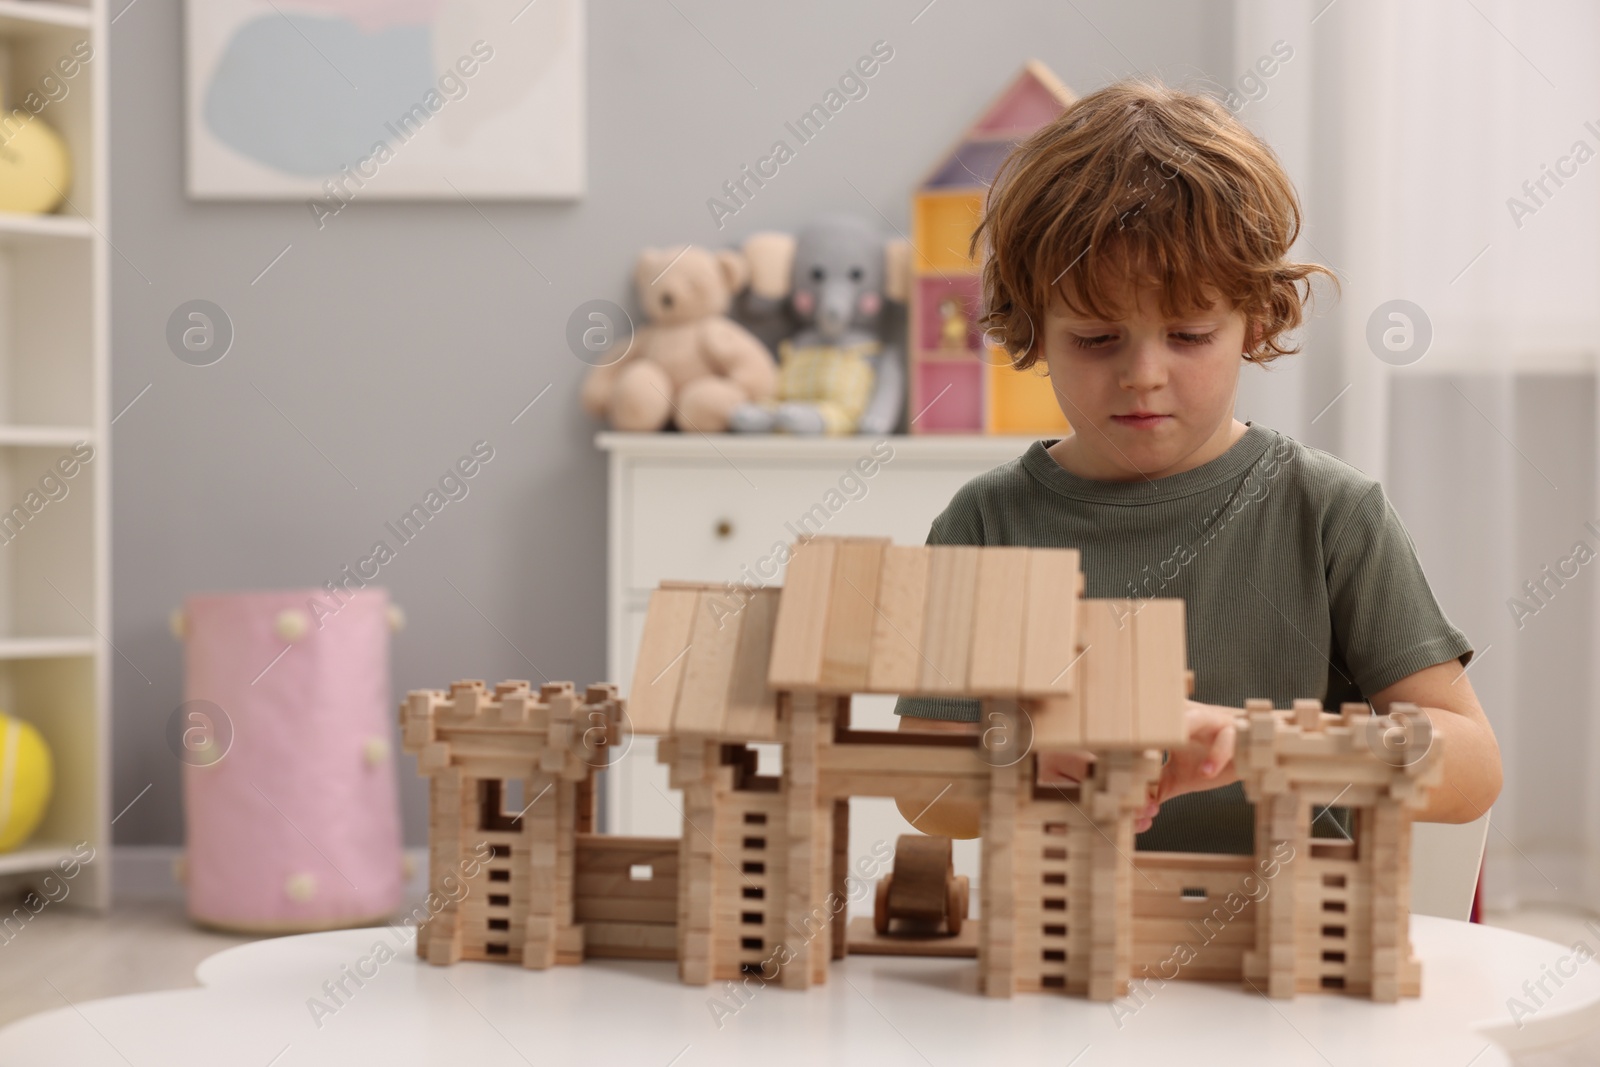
712,509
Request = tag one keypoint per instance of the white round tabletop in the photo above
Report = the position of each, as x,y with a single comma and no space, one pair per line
258,1005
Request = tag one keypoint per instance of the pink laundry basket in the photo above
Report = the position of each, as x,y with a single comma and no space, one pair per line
290,798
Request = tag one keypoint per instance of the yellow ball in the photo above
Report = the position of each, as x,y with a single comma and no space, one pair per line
35,170
26,778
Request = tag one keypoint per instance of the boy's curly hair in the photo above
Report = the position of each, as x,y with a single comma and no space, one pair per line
1141,183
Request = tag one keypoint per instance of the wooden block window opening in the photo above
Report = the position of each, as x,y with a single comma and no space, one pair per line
500,804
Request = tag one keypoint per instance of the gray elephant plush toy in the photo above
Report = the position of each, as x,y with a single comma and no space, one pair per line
837,374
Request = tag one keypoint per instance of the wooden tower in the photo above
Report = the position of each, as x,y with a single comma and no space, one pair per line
511,776
1340,920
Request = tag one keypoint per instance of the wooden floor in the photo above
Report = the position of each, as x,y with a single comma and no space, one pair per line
65,955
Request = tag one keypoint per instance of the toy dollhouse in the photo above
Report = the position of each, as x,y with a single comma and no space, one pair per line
961,381
754,884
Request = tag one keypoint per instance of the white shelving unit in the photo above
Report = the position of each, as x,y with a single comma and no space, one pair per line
55,615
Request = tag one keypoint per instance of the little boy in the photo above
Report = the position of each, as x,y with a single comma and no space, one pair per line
1137,248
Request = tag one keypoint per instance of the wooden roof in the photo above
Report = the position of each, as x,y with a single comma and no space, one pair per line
859,615
702,663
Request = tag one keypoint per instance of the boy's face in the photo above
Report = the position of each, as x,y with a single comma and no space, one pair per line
1148,396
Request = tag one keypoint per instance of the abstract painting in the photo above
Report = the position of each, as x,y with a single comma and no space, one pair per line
334,101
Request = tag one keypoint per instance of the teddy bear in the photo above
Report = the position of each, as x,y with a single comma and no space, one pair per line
690,365
838,373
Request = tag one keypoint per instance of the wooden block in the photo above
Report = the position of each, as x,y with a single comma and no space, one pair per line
852,612
444,951
753,706
434,756
947,620
417,718
896,661
1159,655
841,874
569,941
1290,818
1308,715
999,937
630,940
1050,630
807,842
702,701
797,638
624,909
658,670
936,761
1000,605
1354,713
1107,672
1057,722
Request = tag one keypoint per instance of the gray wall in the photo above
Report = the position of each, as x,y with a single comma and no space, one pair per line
401,333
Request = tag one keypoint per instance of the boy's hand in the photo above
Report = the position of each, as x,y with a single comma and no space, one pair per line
1206,762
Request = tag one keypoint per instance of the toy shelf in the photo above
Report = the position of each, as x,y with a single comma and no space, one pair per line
60,696
35,857
45,647
29,229
55,618
36,436
26,18
47,546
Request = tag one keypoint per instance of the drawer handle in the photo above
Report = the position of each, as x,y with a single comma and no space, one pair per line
724,528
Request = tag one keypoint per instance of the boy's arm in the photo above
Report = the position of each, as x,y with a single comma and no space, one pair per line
1471,755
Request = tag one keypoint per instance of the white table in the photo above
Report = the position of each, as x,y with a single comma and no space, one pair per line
878,1011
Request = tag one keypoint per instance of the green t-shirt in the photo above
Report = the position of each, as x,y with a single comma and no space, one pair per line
1297,576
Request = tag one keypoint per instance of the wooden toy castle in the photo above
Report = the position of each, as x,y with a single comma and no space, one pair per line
756,882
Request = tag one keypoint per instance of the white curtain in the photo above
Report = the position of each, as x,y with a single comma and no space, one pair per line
1411,129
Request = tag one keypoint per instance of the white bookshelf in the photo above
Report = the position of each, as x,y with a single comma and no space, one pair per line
55,615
